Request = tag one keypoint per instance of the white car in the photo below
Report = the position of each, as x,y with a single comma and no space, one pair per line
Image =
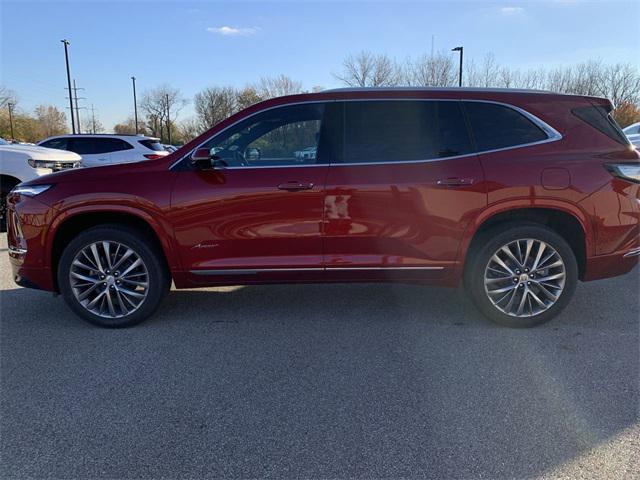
19,163
308,153
633,134
97,150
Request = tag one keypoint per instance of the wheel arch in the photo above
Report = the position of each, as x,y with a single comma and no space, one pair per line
68,225
568,222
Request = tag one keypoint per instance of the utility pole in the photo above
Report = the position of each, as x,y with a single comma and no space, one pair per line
93,119
135,104
75,100
459,49
66,59
10,105
168,120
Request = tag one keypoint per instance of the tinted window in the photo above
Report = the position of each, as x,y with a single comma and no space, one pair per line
599,118
498,126
281,136
57,143
82,146
154,145
384,131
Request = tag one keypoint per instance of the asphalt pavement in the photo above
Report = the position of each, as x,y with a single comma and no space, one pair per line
320,381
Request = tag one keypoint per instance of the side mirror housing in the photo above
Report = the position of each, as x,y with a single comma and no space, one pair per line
201,159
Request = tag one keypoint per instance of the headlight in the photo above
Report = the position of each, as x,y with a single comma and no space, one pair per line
627,171
30,191
42,163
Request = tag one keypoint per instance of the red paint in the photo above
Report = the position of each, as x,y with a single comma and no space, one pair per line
347,216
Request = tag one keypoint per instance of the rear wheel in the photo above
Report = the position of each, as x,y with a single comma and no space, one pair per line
522,275
112,276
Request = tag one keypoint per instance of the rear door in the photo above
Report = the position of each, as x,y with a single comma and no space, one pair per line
402,192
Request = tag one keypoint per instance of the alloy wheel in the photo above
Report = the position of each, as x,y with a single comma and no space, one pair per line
525,277
109,279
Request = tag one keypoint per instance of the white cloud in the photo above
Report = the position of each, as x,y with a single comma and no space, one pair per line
511,10
233,31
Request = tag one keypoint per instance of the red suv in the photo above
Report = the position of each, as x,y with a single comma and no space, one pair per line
516,194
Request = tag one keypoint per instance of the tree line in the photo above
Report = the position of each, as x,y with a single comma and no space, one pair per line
160,108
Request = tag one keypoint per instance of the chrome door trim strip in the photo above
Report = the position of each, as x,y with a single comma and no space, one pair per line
552,134
383,268
255,271
252,271
632,253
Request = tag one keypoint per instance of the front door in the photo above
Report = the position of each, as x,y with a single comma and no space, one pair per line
404,190
256,215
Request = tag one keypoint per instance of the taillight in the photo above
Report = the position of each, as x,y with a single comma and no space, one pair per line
626,171
152,156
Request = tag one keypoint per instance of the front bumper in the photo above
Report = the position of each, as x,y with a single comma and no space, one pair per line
28,221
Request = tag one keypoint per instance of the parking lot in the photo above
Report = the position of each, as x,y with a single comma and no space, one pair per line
320,381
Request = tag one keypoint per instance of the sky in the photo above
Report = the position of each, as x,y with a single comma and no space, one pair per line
193,45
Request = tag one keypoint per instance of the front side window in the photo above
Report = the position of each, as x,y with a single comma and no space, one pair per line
388,131
277,137
497,126
57,143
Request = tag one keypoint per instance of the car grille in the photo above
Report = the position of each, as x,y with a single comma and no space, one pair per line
65,165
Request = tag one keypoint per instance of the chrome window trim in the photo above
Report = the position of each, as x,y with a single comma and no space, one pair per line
254,271
553,135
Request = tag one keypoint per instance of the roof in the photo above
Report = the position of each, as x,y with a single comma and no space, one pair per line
437,89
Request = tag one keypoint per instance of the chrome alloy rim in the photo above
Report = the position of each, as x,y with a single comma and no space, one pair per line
524,278
109,279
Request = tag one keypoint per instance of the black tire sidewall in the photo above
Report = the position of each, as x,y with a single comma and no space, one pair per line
132,239
490,243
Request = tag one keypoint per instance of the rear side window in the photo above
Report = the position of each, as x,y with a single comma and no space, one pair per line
497,126
385,131
599,118
154,145
93,145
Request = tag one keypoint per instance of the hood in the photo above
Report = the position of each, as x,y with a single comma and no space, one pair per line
41,153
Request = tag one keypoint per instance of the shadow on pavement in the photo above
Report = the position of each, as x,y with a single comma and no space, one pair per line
315,381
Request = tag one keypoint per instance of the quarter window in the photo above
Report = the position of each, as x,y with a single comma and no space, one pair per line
387,131
498,126
277,137
57,143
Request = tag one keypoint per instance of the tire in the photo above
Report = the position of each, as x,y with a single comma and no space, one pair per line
548,290
142,274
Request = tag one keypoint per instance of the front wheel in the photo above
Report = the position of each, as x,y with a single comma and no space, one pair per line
522,275
112,277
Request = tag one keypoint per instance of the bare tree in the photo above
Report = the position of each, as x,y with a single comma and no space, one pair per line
188,130
368,70
7,96
214,104
621,84
436,70
161,106
247,96
271,87
50,120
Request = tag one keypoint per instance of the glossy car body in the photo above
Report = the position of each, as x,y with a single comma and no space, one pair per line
340,222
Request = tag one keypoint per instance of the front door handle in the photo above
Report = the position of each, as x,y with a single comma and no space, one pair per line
295,186
455,182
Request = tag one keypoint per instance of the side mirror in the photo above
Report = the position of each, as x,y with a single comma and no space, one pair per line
201,159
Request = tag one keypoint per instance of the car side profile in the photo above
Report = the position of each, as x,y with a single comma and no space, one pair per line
516,195
104,149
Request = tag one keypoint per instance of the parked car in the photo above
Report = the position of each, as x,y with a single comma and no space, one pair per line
517,195
308,153
169,148
633,134
97,150
19,163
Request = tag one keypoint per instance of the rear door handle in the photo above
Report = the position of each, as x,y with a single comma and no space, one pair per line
295,186
455,182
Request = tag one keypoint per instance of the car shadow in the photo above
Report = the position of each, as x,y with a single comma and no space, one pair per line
357,380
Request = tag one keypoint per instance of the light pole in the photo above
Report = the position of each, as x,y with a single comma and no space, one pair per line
168,120
135,104
10,105
66,59
459,49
